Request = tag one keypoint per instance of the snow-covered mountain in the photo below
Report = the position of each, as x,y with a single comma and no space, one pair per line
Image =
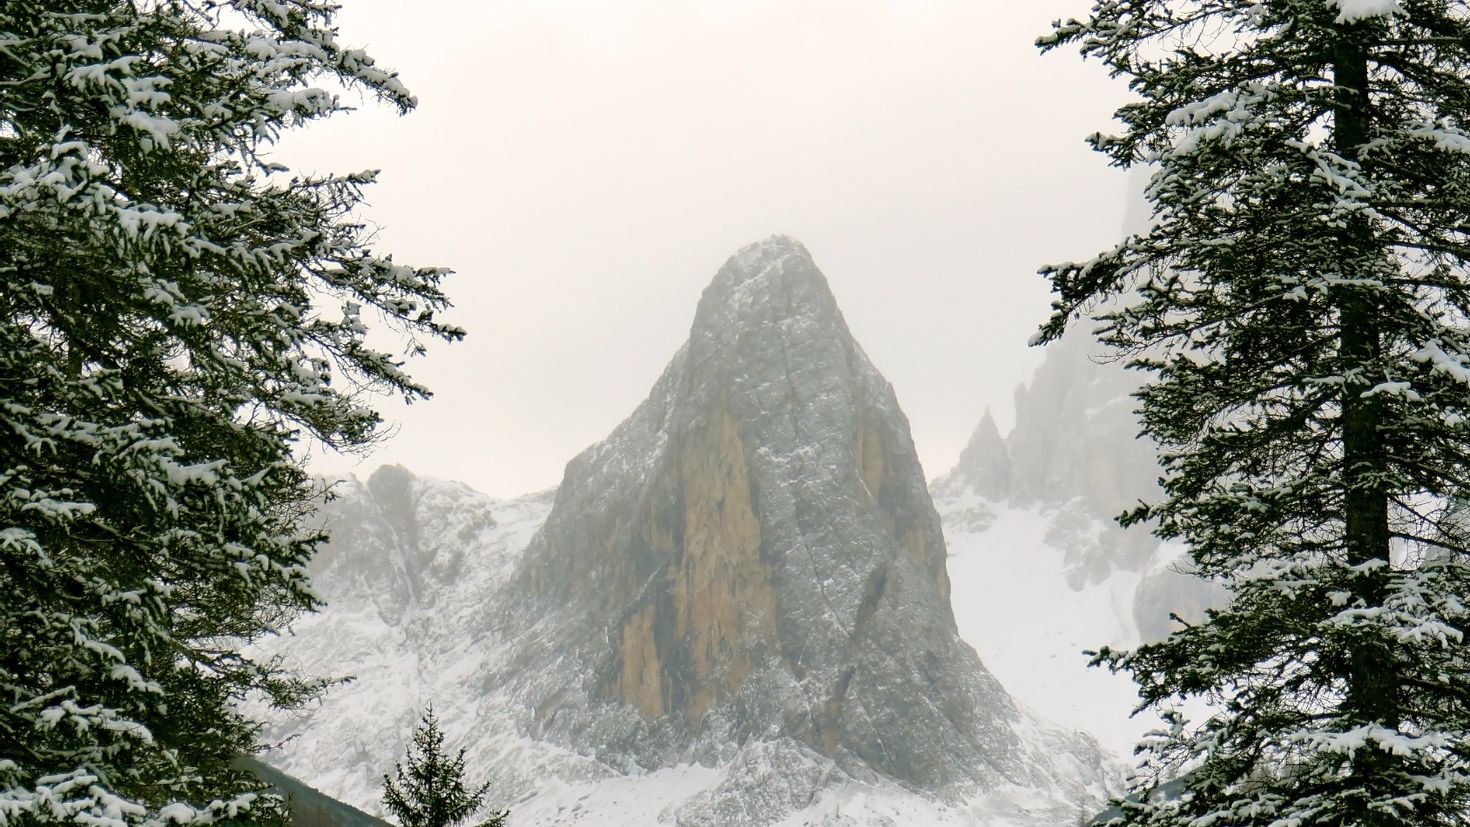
1030,523
735,610
1074,452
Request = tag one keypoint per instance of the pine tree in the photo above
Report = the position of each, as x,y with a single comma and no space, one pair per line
431,792
177,318
1302,305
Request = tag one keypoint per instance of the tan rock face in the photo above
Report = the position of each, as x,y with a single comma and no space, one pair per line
873,455
710,614
640,682
723,602
716,613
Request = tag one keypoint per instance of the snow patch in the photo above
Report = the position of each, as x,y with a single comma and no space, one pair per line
1351,10
1014,606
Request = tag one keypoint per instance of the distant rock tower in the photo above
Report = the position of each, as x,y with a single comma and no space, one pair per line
985,464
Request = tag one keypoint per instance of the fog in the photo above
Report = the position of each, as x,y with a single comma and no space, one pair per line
586,167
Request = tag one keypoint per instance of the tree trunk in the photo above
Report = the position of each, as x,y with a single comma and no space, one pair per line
1371,683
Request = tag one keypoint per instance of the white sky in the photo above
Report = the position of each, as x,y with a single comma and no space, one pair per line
587,165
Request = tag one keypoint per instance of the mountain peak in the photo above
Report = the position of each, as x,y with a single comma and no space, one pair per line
773,282
753,556
773,248
985,464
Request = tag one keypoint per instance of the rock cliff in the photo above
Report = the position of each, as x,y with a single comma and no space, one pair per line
754,554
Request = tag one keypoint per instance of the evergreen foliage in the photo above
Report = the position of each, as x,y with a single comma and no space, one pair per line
1301,303
431,791
176,317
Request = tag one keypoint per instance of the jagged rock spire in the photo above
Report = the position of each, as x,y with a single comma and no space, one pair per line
985,464
754,554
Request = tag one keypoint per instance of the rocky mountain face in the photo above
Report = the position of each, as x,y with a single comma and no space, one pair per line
735,610
406,576
754,555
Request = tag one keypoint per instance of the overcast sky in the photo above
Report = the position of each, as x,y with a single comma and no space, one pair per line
586,166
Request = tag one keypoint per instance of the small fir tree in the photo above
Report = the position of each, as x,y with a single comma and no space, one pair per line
1303,304
431,791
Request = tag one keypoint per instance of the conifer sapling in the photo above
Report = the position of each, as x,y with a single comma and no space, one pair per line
431,791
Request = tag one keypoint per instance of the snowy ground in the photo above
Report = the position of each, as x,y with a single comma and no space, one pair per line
1012,603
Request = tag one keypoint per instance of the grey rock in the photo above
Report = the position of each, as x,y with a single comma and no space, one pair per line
753,555
1076,436
985,465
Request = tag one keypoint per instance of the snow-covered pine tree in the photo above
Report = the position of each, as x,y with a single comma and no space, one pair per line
431,792
1301,304
177,315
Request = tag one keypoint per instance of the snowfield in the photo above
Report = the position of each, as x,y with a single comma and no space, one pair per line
1013,604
